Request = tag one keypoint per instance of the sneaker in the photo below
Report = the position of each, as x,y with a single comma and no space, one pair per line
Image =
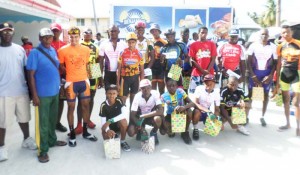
91,125
72,142
125,147
186,137
60,127
263,122
29,143
3,153
43,158
196,134
243,130
155,137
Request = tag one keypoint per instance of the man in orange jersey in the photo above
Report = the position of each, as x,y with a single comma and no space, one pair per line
73,59
130,69
288,75
57,44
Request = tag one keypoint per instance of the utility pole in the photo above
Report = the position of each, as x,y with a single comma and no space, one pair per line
278,13
95,16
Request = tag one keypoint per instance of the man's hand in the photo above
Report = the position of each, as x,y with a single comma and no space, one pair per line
241,79
35,100
256,81
267,79
110,134
180,109
101,83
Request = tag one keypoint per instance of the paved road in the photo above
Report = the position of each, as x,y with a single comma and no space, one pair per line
264,151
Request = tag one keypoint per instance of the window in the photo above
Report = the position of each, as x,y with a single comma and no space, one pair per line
80,22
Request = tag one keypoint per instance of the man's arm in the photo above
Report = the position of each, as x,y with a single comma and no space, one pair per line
158,112
152,59
32,87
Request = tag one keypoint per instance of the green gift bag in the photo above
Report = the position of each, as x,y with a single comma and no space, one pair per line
278,100
94,71
258,93
186,82
178,122
238,115
212,126
175,72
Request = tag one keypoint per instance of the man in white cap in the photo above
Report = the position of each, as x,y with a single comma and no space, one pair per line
14,98
146,109
44,81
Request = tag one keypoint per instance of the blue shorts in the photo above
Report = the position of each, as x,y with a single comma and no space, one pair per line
80,89
260,74
203,117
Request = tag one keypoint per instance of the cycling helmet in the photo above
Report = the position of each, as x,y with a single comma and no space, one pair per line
170,32
139,24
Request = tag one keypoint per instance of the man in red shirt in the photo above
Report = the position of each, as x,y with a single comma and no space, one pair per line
57,44
203,54
27,45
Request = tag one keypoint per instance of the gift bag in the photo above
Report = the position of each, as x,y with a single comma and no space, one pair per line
175,72
238,115
258,93
278,100
178,122
148,146
186,82
94,71
212,126
112,148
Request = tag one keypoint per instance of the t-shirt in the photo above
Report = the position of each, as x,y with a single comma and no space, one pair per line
110,55
172,101
231,55
206,99
173,52
27,47
112,111
144,47
286,50
158,44
57,44
262,56
202,52
75,58
47,79
130,61
145,106
12,63
230,99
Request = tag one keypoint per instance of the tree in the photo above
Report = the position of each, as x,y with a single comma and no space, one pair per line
268,17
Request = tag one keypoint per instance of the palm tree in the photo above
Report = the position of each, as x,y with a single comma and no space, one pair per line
268,17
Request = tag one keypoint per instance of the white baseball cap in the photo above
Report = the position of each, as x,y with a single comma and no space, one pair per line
45,32
145,82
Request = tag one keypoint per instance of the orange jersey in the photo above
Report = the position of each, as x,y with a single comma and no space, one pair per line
130,61
75,59
289,53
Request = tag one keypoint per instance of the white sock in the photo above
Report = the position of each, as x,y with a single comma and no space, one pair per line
196,126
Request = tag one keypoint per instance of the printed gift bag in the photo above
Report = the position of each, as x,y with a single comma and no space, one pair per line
148,146
212,126
178,122
112,148
278,99
94,71
238,115
175,72
258,93
186,82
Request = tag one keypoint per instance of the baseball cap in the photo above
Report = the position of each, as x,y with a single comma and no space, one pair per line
88,31
45,32
55,26
24,37
130,36
234,32
145,82
155,26
6,26
140,24
209,77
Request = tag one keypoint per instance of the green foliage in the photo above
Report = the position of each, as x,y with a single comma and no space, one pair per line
268,17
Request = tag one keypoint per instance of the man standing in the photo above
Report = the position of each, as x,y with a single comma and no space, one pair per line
98,40
262,60
231,56
203,54
57,44
110,52
157,68
27,45
73,59
145,47
14,99
44,81
288,75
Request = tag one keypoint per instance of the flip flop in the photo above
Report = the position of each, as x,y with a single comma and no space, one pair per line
90,137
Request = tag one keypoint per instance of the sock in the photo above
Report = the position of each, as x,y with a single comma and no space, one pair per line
85,132
72,132
196,126
79,124
122,141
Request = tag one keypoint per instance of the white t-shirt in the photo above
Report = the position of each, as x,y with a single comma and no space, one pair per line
111,56
206,99
12,79
145,106
262,54
142,46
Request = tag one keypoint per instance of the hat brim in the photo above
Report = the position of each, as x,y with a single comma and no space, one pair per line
7,28
55,28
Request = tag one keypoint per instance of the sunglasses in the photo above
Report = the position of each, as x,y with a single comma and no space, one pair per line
7,32
73,31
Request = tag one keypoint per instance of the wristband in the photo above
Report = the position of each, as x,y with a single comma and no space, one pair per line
111,121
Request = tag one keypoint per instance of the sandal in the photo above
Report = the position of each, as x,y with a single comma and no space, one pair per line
60,143
90,137
283,128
